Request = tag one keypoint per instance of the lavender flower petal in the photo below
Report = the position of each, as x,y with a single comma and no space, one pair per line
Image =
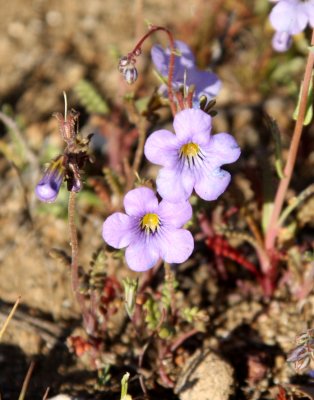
139,202
142,255
48,187
281,41
289,16
206,83
222,149
173,186
47,191
161,148
176,245
161,59
187,58
310,12
119,230
213,184
175,214
193,125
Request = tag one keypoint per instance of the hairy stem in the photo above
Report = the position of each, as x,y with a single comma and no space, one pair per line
74,256
274,225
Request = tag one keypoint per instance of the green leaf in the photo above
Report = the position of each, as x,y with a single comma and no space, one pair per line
90,98
124,387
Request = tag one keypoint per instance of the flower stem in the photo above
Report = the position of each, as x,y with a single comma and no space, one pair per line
74,256
137,49
274,224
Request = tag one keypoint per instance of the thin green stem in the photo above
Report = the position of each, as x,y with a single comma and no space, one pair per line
309,191
274,224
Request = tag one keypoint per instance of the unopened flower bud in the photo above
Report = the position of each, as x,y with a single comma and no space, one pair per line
128,70
48,187
130,74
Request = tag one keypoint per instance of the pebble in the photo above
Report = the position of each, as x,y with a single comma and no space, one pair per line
206,376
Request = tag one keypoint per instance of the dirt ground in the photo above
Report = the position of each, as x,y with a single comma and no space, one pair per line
47,47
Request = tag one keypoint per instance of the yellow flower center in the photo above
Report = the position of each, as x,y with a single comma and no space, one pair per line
190,150
150,222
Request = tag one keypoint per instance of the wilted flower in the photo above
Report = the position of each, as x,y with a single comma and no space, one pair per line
290,17
66,166
48,187
191,158
150,230
206,83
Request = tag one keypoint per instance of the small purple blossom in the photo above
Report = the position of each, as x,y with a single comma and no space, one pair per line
48,187
290,17
150,230
281,41
205,82
191,158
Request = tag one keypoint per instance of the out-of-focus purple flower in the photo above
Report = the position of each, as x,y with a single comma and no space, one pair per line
150,230
290,17
191,158
281,41
206,82
48,187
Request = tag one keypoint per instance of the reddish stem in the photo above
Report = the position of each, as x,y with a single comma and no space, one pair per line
274,226
137,50
89,321
180,340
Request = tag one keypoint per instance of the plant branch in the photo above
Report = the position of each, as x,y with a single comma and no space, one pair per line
74,261
274,224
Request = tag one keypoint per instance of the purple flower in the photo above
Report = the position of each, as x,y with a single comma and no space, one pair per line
281,41
206,83
48,187
290,17
150,230
191,158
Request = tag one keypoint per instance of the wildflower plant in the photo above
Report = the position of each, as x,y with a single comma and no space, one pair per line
191,159
153,229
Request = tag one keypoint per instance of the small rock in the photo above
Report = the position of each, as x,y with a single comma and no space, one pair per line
207,377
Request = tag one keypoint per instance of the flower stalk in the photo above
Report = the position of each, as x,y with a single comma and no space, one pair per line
130,59
274,224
